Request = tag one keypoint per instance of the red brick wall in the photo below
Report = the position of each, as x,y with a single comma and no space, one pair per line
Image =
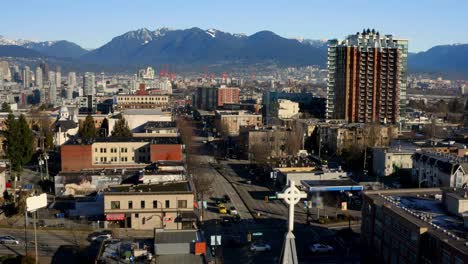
76,157
166,152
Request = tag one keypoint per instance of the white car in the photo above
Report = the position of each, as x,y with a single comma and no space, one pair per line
100,238
8,240
321,248
260,247
233,210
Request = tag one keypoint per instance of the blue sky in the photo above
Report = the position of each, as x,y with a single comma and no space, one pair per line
92,23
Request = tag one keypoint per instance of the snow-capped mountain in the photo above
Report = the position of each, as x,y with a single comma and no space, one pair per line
16,42
59,48
199,46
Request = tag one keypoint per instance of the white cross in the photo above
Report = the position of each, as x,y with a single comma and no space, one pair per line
291,196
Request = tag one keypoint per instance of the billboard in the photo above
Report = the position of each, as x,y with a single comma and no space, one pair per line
36,202
83,184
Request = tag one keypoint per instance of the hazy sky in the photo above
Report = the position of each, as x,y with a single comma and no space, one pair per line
92,23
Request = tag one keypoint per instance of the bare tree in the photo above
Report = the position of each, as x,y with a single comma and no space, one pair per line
202,182
260,153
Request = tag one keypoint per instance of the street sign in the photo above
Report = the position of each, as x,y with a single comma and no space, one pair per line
274,197
257,234
317,202
215,240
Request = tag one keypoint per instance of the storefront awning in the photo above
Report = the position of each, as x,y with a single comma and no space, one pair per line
115,217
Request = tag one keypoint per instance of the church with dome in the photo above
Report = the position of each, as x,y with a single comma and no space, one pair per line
65,127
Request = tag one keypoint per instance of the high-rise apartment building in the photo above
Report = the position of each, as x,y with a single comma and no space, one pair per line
58,78
72,79
52,87
228,95
367,75
89,84
26,76
45,70
39,79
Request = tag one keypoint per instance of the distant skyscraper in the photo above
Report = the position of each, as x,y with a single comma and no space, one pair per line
45,71
367,78
71,79
39,79
26,76
52,87
5,72
89,84
71,85
58,78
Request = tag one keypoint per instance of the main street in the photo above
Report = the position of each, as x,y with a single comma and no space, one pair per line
269,225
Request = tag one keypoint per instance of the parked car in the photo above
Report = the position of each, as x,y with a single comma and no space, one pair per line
321,248
236,219
226,198
233,210
226,220
99,233
260,247
9,240
222,209
100,238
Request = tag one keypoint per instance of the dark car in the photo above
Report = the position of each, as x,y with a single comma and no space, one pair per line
226,220
226,199
236,219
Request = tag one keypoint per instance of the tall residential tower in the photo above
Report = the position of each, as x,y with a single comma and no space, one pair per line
367,78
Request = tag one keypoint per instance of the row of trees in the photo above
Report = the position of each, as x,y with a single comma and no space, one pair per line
88,129
456,105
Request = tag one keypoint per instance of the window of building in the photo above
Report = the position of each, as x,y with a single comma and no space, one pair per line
124,150
168,203
130,205
137,215
155,204
95,150
115,204
182,204
142,204
143,220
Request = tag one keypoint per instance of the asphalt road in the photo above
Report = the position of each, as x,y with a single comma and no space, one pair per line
49,241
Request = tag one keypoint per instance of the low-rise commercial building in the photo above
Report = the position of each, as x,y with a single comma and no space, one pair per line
387,161
411,226
143,101
168,205
119,152
228,123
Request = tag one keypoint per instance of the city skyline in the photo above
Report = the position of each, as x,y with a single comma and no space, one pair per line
91,26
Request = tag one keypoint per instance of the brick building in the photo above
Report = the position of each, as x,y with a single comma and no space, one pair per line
119,153
228,95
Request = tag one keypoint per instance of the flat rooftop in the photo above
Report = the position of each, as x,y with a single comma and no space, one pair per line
151,140
422,208
166,187
159,124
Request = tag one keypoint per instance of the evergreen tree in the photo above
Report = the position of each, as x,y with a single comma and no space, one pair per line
6,108
104,131
121,129
20,140
87,129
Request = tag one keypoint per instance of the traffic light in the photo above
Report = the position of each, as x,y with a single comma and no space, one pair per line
266,199
249,237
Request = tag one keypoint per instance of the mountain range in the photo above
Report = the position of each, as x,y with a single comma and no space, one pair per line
196,46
